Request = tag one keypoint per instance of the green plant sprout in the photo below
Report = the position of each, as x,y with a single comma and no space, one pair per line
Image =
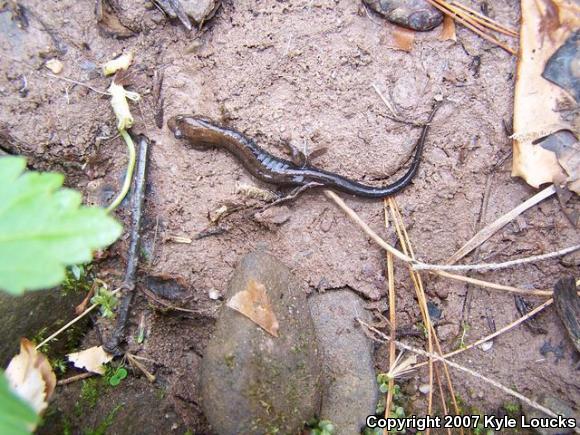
103,427
116,376
321,427
397,410
106,301
59,365
464,330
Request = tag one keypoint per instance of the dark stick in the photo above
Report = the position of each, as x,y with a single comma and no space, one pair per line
138,197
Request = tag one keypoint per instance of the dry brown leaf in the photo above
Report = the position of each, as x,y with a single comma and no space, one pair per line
546,24
401,38
108,21
31,377
91,359
448,29
253,303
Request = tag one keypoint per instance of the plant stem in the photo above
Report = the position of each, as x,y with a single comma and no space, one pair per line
128,174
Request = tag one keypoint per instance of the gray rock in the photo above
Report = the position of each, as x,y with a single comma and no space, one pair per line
37,314
200,10
556,405
351,391
447,331
413,14
251,381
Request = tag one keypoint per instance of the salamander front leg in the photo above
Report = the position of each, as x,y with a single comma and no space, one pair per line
302,158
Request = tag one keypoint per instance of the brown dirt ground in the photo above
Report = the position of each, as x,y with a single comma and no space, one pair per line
297,71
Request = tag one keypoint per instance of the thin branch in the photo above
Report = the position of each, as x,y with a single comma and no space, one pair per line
496,266
419,265
408,249
72,322
419,291
496,333
66,79
489,230
383,338
138,198
356,218
150,377
492,285
75,378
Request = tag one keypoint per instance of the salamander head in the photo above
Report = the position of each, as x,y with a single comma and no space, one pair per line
194,128
177,125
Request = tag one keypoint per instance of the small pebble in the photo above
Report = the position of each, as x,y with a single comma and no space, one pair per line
424,388
54,65
214,295
413,14
486,346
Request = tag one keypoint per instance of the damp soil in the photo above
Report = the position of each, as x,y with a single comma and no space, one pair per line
300,72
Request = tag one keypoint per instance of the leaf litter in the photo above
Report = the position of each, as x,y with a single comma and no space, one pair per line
30,375
545,147
91,359
253,302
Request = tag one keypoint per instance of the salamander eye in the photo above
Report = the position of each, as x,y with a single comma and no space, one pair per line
178,133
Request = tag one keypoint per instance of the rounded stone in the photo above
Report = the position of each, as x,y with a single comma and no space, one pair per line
253,382
413,14
350,387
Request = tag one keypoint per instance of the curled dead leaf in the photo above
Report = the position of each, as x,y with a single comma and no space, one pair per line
91,359
546,25
108,21
253,303
30,375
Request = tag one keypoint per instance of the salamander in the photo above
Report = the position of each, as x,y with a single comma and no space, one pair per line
202,134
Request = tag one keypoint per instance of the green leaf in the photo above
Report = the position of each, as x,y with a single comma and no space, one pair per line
121,373
326,426
106,300
44,228
16,416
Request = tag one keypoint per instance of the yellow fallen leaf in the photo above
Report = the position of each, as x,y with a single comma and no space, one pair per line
30,375
120,63
120,105
91,359
253,303
545,26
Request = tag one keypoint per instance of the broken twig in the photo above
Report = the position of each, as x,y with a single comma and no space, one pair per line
112,345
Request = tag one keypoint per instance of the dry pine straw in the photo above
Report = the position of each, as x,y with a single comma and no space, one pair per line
476,22
408,256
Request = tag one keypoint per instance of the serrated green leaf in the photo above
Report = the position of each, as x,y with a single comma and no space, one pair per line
16,416
44,228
